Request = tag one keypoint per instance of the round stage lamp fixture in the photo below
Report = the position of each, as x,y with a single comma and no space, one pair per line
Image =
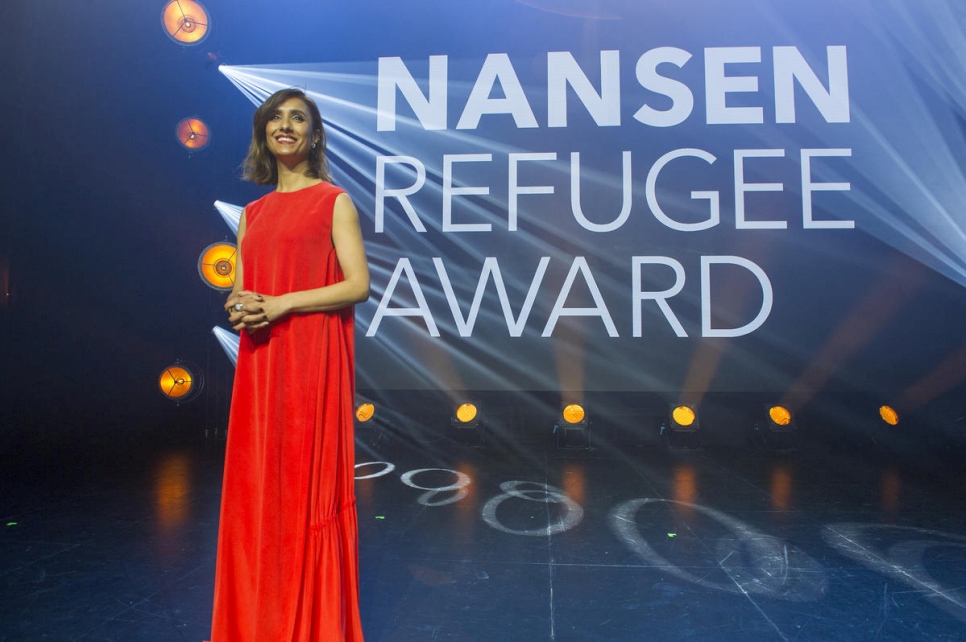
572,428
573,413
216,266
468,422
180,382
185,21
683,416
780,415
466,413
365,412
193,134
889,415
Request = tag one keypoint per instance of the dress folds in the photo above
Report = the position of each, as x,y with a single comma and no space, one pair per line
287,567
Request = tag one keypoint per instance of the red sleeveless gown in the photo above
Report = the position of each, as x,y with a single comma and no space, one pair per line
287,566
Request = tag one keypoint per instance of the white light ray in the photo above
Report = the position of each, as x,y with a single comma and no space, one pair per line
229,341
230,213
909,146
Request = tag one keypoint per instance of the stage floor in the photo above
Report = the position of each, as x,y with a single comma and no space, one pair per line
525,543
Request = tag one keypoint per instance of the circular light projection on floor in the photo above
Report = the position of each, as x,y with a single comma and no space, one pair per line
180,382
185,21
216,266
193,134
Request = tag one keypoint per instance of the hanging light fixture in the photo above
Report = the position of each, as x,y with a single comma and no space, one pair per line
193,134
185,21
216,266
181,382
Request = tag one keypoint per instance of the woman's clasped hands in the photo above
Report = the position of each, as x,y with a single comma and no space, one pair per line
251,311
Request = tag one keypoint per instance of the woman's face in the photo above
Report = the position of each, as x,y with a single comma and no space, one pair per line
288,131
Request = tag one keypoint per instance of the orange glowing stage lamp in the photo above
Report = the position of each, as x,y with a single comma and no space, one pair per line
193,134
776,429
185,21
370,422
682,427
574,414
467,420
573,427
180,382
467,414
781,419
216,266
889,415
684,418
365,412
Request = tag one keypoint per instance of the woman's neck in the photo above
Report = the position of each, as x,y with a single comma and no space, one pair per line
292,178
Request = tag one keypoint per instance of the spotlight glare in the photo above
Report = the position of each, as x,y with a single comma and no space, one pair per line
683,416
574,413
889,415
185,21
466,413
365,412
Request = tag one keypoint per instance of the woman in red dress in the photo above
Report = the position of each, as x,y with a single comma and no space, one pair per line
287,567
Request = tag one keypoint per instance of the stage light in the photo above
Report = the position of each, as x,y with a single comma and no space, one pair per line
468,422
216,266
781,419
889,415
185,21
467,415
684,419
574,414
365,412
572,422
371,424
193,134
180,382
681,428
777,428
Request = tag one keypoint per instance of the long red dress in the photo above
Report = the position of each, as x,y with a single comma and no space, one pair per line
287,567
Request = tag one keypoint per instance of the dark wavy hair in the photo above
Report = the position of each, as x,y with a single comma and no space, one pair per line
259,166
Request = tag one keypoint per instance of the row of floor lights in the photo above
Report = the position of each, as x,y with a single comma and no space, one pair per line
680,428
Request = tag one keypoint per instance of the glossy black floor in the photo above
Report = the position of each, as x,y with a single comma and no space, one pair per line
530,542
